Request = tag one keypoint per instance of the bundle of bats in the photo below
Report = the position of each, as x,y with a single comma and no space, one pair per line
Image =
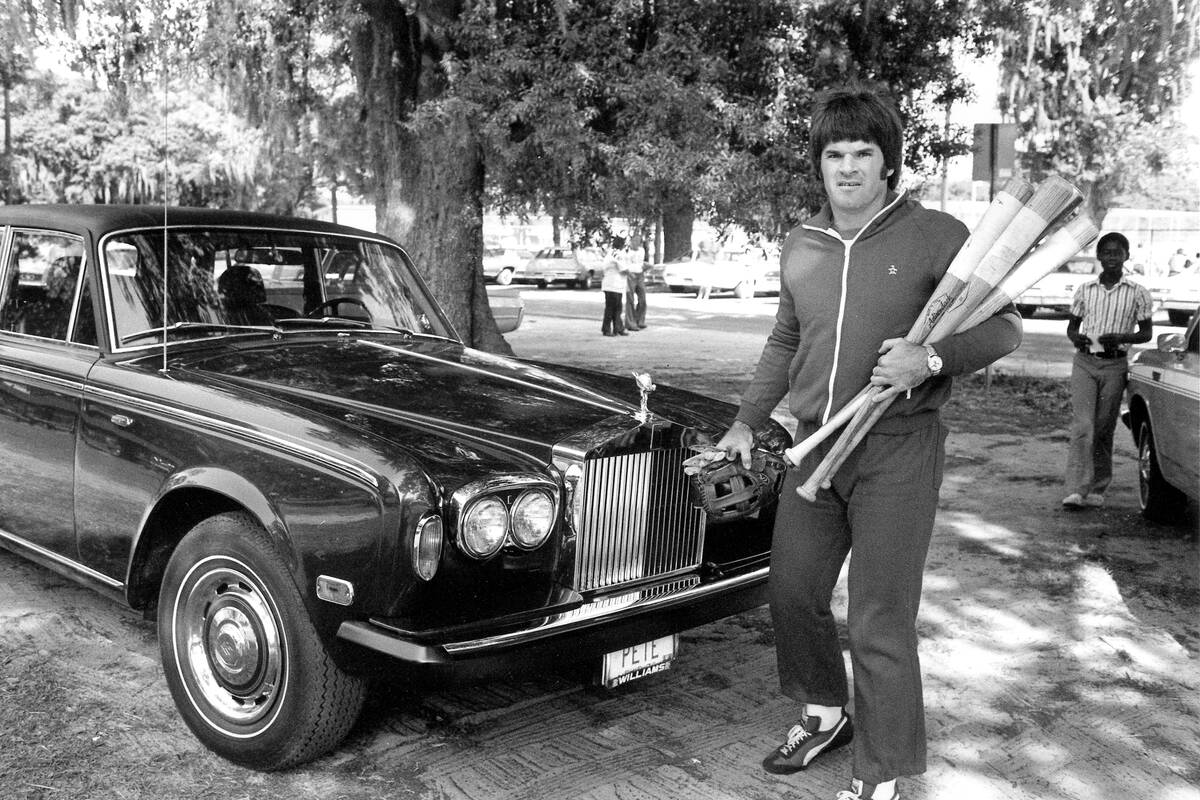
1026,233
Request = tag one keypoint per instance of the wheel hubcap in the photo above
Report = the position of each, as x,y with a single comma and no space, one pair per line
230,645
233,644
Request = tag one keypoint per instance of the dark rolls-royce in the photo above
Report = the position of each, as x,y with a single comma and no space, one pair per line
265,434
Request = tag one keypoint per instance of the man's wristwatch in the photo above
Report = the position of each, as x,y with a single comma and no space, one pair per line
933,360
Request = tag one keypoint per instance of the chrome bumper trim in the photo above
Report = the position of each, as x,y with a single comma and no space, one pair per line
596,612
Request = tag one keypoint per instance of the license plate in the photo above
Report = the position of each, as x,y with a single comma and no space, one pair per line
638,661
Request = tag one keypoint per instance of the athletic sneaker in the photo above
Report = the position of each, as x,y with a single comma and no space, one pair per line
805,742
863,791
1094,500
1074,500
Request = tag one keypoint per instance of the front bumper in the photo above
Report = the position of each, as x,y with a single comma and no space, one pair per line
603,624
549,277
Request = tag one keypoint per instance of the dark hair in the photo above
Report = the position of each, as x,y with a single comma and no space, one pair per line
1113,237
857,114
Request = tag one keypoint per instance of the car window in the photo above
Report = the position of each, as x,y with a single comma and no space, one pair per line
386,284
268,275
218,278
43,281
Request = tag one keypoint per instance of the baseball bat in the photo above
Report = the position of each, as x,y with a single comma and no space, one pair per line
1051,201
1053,197
999,213
796,453
1048,256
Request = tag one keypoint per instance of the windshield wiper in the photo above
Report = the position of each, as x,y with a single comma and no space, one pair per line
195,326
324,322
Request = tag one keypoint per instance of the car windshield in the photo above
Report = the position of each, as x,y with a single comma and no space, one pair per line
223,280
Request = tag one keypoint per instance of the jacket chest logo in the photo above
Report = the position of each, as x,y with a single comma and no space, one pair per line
893,269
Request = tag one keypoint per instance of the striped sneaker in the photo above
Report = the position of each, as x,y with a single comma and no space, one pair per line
805,742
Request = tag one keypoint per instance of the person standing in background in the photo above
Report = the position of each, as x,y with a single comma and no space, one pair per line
614,285
1177,263
635,294
1107,315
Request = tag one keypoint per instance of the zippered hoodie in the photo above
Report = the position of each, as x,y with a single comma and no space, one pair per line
839,299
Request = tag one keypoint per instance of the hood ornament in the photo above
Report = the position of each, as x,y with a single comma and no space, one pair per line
645,386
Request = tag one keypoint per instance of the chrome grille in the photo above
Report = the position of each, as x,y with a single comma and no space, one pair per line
636,520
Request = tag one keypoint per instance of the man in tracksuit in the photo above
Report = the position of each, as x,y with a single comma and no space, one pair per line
854,278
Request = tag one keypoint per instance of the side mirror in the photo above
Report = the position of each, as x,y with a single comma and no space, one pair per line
1171,343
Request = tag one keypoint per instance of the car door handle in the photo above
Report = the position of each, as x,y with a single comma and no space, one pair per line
120,420
1156,375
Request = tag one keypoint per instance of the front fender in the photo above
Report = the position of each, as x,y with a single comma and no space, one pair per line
320,525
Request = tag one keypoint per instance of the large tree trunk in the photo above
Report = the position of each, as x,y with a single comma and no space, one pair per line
442,224
429,190
677,230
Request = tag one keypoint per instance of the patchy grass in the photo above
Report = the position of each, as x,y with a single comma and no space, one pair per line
1008,404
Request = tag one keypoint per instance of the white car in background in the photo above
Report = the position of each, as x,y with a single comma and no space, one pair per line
1180,294
1163,401
1056,290
560,265
743,272
500,264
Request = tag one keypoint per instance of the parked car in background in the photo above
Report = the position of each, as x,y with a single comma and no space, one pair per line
559,265
768,283
1055,291
500,264
508,307
1179,294
743,272
1163,399
265,434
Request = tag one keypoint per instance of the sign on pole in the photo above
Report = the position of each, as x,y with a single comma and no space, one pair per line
994,151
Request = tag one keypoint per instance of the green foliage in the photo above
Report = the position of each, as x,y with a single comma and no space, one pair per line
630,109
74,144
1084,78
586,110
1160,169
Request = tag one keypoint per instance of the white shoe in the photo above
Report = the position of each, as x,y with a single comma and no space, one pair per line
1074,500
865,791
1094,500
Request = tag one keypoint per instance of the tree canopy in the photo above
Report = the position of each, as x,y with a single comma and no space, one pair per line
1090,81
655,111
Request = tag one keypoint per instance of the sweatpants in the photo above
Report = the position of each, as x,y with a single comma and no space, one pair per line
1097,386
880,510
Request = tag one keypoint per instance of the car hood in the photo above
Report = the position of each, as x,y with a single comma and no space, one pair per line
413,390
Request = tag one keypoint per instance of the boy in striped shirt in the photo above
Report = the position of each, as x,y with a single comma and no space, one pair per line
1107,315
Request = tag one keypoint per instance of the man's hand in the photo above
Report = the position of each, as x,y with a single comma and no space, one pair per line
901,366
1081,342
737,442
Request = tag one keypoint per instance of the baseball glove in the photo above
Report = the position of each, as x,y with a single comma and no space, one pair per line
726,490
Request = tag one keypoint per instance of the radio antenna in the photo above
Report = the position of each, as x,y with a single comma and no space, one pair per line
163,192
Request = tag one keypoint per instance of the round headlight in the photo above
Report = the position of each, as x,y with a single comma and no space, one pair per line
484,526
532,518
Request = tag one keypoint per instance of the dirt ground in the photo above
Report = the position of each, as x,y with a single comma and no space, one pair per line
1061,654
